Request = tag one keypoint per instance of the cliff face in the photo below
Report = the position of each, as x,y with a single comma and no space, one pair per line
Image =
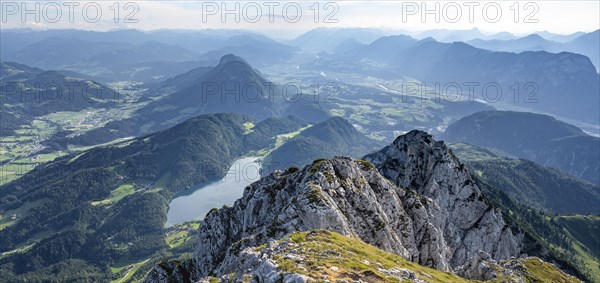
417,202
341,195
468,223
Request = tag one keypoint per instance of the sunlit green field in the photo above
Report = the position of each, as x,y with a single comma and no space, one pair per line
20,153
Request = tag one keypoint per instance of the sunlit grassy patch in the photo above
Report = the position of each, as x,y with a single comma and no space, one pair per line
181,233
128,270
335,257
22,211
116,195
248,128
326,255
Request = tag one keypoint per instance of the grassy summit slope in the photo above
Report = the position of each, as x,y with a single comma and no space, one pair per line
324,255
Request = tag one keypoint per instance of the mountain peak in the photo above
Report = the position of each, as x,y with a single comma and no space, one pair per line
412,159
236,68
534,36
418,162
228,58
336,123
415,136
340,194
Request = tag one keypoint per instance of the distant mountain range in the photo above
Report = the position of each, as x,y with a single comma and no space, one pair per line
448,35
29,92
564,84
325,39
62,53
536,137
136,55
587,44
40,92
259,51
146,61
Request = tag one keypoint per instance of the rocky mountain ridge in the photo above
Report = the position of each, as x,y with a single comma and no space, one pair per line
468,223
417,201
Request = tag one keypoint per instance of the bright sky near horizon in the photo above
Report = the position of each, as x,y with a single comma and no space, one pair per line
287,19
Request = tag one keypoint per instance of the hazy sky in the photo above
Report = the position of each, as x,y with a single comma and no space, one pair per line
288,19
